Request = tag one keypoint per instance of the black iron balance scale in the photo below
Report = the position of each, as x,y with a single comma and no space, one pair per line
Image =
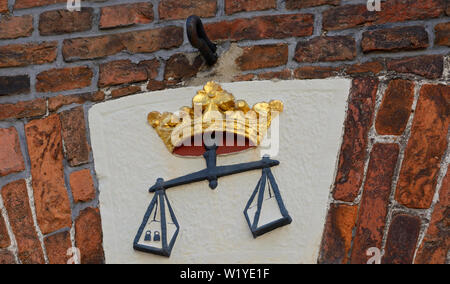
161,214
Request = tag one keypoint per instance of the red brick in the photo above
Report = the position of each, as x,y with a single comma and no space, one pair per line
337,236
349,16
11,159
64,21
300,4
17,204
12,85
429,66
395,108
131,42
244,77
54,103
442,34
179,68
121,72
82,186
15,27
326,48
373,67
402,239
3,6
262,27
125,91
57,247
235,6
16,55
152,67
436,243
88,237
281,75
176,10
353,150
56,80
375,201
6,257
74,135
50,195
4,236
22,4
395,39
19,110
426,147
263,56
154,85
316,72
126,15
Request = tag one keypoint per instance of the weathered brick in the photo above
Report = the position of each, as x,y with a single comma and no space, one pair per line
131,42
126,15
64,21
50,195
74,135
244,77
300,4
326,48
19,110
337,236
88,236
82,185
69,78
262,27
402,239
375,201
15,27
154,85
175,9
426,147
428,66
179,68
16,55
121,72
17,204
125,91
6,257
235,6
12,85
152,67
263,56
372,67
353,150
57,246
22,4
4,236
395,39
280,75
11,159
442,36
316,72
395,108
54,103
3,6
349,16
436,242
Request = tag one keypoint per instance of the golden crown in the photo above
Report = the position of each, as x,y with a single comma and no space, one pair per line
215,111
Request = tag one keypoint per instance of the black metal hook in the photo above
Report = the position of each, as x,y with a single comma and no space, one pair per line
198,38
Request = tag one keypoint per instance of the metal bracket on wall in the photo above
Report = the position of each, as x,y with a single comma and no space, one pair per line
199,39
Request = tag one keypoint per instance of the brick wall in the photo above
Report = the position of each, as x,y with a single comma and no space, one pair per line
392,181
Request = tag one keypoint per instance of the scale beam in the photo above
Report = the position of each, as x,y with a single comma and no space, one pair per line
213,172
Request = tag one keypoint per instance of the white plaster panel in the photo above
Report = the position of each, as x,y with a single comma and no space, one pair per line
129,157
